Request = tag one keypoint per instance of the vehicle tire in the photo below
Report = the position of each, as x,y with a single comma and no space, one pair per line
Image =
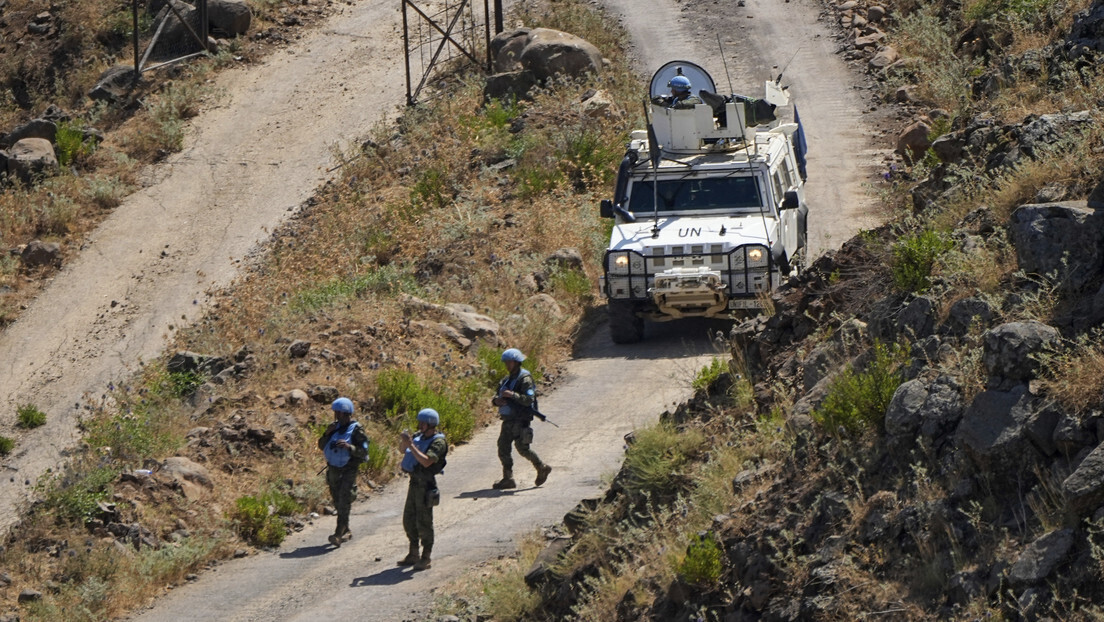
624,325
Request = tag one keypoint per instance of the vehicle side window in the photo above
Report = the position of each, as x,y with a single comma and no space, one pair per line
787,175
777,180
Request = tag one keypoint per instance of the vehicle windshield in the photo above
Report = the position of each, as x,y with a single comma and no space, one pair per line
690,194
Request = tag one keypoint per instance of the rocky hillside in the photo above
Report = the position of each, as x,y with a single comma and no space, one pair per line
914,432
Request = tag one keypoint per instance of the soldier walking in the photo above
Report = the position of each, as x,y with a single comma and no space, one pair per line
517,394
423,459
345,446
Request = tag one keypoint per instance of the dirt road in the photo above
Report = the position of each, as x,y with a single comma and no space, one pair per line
265,149
258,154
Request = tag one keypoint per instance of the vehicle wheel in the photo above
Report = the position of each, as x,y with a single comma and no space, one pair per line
625,326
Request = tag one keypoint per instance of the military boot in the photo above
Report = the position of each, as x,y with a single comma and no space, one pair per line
507,481
423,563
542,474
411,557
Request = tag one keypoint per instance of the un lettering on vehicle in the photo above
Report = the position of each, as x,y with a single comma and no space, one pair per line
692,232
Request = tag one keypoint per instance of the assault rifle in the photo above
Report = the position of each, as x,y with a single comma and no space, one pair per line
532,411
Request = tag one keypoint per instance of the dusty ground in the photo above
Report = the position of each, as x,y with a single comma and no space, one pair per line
258,155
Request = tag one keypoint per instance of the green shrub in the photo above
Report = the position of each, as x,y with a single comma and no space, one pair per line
914,256
856,400
702,564
179,384
654,460
259,519
574,283
71,143
403,394
29,416
132,436
379,458
708,375
74,497
384,280
433,189
6,445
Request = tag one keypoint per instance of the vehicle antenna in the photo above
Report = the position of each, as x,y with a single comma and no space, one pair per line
725,61
653,157
778,80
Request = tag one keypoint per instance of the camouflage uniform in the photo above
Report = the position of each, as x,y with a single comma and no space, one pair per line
678,102
516,427
418,513
342,480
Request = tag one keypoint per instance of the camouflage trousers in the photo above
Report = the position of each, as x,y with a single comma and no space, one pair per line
418,514
520,434
343,491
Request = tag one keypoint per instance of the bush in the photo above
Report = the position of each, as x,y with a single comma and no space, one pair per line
913,259
858,401
654,460
702,564
74,497
385,280
6,445
259,519
30,416
709,374
71,143
403,394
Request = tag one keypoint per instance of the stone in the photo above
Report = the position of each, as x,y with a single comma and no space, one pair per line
32,158
115,84
38,254
1010,350
1084,488
566,258
1065,240
913,141
299,348
1036,562
231,17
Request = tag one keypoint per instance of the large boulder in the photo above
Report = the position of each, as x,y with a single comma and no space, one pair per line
115,84
177,38
1084,488
1064,239
994,432
35,128
544,52
930,408
229,17
31,158
1010,350
37,254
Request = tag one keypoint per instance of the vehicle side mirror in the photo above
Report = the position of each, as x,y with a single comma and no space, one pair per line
605,208
789,200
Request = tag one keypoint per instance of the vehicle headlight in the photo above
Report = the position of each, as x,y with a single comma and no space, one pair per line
618,263
757,257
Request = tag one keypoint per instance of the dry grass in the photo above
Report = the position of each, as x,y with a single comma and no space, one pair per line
1075,378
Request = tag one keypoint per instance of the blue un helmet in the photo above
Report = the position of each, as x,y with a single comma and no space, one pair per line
513,354
680,84
343,405
430,416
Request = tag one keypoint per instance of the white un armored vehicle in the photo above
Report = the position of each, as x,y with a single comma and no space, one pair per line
709,207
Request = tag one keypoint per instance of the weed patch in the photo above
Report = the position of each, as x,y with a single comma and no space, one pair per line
403,394
654,461
702,564
29,416
6,445
857,400
259,519
914,256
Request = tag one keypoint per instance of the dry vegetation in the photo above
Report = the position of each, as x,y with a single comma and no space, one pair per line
773,494
57,69
417,210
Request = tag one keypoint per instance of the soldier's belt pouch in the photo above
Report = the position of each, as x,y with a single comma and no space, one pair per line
433,497
527,436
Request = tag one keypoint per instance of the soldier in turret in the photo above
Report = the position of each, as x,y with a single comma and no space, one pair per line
680,97
346,446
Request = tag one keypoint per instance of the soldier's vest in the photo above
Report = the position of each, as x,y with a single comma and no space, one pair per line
422,443
339,456
509,409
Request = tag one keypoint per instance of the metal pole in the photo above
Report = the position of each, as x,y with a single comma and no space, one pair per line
406,54
487,32
137,70
498,16
203,25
